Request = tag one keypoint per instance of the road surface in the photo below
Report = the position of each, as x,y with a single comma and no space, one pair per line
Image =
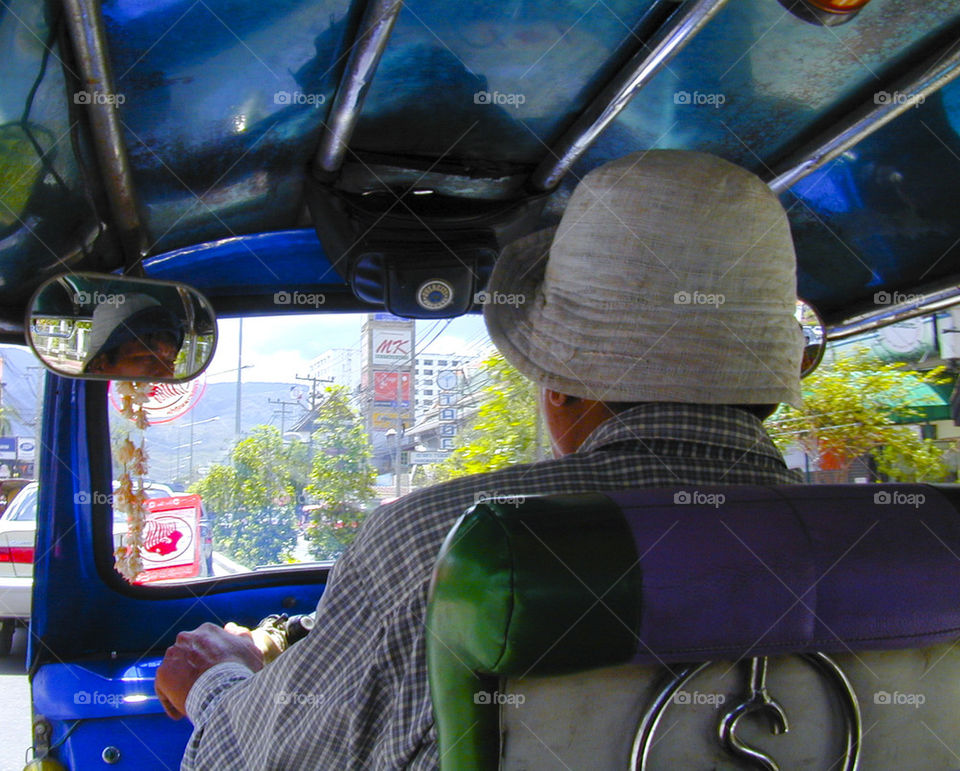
14,706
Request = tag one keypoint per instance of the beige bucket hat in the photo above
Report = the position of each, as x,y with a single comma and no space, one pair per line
671,277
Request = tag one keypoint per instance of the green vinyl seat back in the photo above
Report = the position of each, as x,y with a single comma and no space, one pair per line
700,628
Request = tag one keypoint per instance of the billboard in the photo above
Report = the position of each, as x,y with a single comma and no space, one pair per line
391,388
384,420
26,448
171,547
392,347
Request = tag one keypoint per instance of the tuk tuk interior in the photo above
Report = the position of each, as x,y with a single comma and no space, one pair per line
362,150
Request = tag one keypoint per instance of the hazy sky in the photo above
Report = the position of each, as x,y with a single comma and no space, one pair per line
278,348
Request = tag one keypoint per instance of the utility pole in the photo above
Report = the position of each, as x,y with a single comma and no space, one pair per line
314,395
283,411
398,434
236,429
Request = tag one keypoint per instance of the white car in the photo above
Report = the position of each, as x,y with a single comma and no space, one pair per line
18,528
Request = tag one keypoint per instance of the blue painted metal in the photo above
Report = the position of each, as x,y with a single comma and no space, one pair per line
117,688
73,603
89,662
223,111
264,262
44,234
108,703
778,78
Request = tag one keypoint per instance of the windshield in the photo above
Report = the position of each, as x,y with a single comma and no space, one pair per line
24,506
302,425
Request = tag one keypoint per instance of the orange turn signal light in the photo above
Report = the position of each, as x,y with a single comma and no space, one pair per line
838,6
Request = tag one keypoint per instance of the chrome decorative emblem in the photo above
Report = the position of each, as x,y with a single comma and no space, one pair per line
756,699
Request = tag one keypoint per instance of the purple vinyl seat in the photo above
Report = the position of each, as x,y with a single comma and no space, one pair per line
702,627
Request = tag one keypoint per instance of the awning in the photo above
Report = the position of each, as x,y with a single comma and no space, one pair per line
925,402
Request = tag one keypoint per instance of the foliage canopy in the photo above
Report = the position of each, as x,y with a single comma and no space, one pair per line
504,429
857,406
341,476
253,500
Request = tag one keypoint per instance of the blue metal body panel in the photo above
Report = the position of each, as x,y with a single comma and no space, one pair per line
101,642
268,261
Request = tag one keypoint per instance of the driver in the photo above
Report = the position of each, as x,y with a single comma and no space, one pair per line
659,324
137,337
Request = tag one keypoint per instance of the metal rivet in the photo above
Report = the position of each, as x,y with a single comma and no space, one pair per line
110,755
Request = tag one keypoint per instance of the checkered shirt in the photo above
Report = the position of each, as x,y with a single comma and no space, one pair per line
353,694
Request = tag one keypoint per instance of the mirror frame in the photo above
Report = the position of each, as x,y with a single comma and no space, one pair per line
190,299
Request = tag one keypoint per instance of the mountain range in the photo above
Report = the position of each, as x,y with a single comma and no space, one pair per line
212,420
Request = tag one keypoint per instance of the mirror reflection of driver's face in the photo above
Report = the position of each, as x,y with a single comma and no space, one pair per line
152,356
134,337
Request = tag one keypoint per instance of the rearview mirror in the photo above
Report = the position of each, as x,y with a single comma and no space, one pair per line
814,337
102,327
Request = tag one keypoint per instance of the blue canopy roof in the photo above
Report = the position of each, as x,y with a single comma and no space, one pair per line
221,107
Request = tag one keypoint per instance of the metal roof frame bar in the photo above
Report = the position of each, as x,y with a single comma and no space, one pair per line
682,26
937,70
87,33
368,46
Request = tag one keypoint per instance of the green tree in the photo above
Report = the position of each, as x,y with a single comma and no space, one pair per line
253,501
856,406
503,431
341,476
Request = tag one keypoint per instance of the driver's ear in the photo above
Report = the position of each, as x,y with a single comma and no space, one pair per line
557,399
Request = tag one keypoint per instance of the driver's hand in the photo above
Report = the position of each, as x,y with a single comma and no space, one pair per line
194,653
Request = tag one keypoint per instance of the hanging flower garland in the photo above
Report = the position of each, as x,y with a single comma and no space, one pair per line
130,497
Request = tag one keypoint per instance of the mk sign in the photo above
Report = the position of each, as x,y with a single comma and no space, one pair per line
392,347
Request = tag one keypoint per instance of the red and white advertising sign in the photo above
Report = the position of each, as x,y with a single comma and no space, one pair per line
171,539
168,401
392,347
388,387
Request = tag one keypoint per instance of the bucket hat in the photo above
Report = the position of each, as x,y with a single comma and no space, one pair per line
135,318
671,277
